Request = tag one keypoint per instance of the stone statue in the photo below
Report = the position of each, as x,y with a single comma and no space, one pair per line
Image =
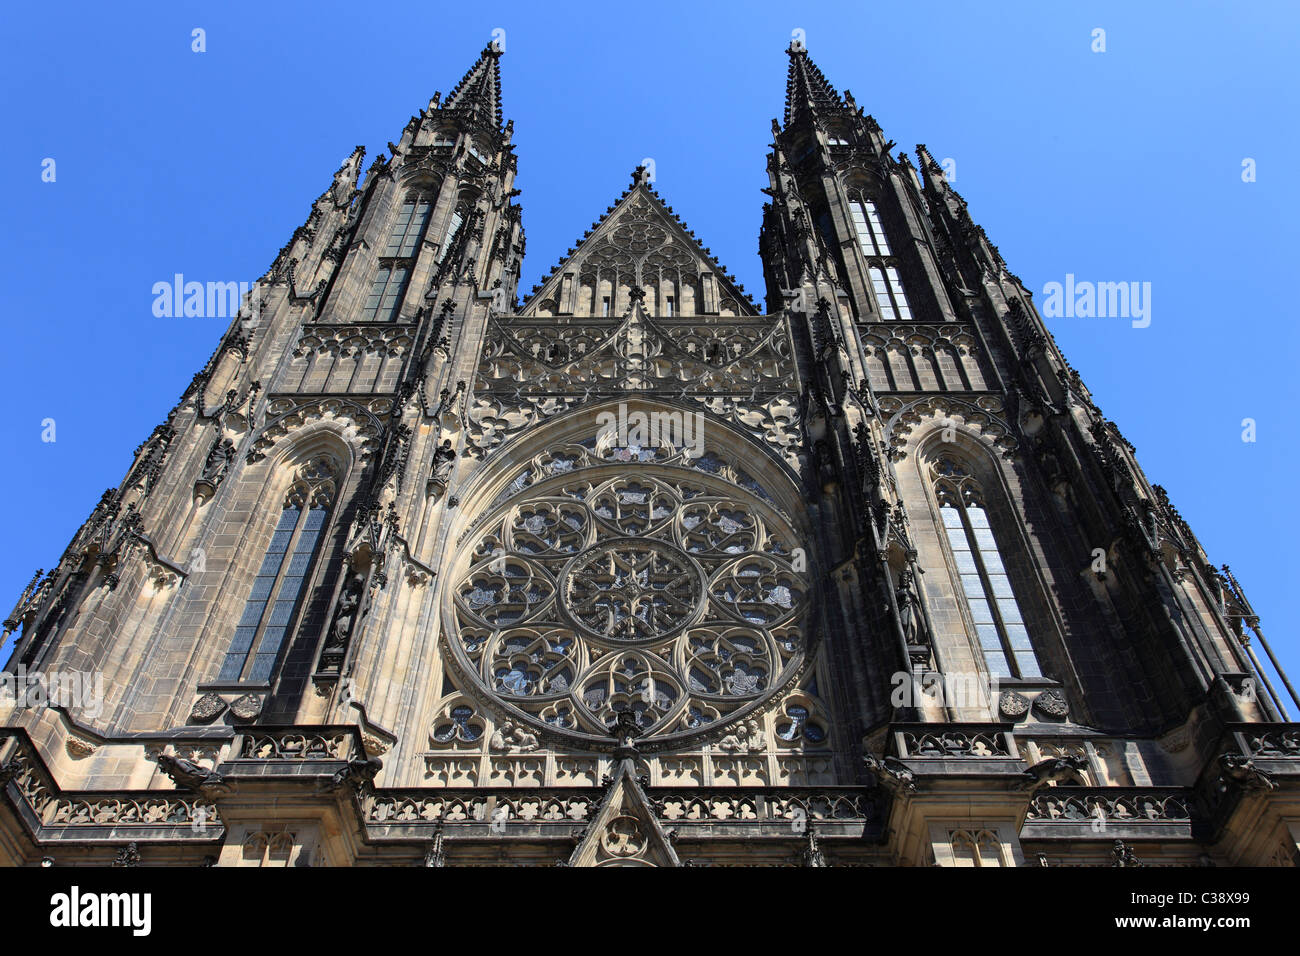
522,740
218,461
346,611
1054,770
625,730
908,610
1122,855
436,855
444,457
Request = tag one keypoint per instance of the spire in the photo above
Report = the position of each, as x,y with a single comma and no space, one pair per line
806,86
480,88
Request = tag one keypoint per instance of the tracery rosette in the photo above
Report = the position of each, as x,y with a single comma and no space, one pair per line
671,593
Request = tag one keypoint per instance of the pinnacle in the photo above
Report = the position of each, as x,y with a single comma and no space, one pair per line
806,86
480,87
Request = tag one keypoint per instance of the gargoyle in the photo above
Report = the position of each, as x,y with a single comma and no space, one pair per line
890,771
1240,770
1053,770
188,775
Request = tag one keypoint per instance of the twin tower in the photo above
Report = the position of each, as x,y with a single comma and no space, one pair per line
631,570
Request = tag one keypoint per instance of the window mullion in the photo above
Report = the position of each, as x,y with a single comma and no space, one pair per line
291,552
237,659
990,598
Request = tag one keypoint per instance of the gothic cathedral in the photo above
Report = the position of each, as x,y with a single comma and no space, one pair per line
631,570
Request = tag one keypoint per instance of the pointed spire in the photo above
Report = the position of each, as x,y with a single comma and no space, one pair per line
480,88
805,86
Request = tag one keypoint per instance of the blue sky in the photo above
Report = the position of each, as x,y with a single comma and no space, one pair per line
1116,166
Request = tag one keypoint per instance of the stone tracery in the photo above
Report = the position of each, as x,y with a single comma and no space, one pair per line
670,594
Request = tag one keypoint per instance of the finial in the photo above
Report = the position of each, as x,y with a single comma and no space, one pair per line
625,731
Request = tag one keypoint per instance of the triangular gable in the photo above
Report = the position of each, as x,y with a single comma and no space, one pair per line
639,243
624,831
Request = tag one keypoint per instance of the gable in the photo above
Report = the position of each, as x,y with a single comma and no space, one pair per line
639,244
624,831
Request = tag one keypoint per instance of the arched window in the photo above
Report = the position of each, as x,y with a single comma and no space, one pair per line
985,585
398,259
278,587
889,293
409,228
871,234
453,227
385,296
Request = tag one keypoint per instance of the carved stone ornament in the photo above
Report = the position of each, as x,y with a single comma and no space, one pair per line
510,738
246,707
207,708
129,855
747,738
1013,706
1051,703
78,748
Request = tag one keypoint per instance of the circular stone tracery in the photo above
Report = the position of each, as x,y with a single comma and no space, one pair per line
631,590
671,595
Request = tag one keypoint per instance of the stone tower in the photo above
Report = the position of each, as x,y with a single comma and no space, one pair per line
633,571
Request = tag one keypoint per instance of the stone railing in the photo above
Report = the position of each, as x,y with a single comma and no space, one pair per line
555,810
49,811
1110,804
954,741
1267,740
792,806
300,743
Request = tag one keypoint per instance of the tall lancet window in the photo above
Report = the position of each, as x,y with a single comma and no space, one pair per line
985,585
889,293
385,296
453,227
885,281
278,587
871,234
409,228
398,260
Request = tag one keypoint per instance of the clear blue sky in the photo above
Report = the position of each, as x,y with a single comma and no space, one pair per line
1123,165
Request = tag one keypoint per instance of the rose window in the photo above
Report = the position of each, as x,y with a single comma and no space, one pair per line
672,596
632,590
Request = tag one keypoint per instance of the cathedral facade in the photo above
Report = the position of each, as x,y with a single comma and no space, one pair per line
632,570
